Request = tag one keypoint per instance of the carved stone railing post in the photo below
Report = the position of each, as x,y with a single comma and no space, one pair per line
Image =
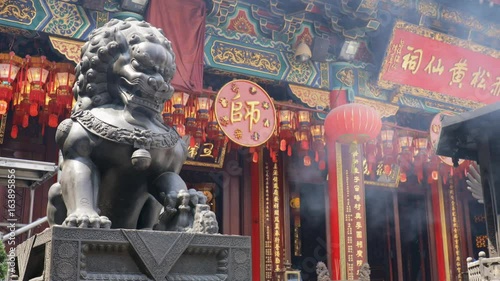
483,268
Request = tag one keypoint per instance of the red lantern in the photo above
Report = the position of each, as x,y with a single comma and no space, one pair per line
421,158
203,105
352,123
10,64
190,119
304,118
318,145
286,128
64,78
179,101
405,158
37,71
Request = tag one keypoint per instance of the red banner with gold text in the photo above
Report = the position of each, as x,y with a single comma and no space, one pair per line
427,61
352,211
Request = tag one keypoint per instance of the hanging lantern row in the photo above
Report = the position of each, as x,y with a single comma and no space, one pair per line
412,152
35,87
296,127
194,115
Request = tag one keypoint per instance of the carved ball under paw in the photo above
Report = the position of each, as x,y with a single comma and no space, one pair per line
205,221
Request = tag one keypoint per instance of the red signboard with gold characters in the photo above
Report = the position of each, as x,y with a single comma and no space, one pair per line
245,113
425,62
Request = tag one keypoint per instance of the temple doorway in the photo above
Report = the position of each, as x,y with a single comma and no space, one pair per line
398,235
308,228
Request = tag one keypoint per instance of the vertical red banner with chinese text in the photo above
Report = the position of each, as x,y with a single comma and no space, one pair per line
273,222
352,219
425,62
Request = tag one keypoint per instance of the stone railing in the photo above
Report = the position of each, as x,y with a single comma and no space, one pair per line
483,268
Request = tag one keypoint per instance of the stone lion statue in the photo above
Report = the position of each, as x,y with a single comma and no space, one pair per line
322,272
121,163
364,272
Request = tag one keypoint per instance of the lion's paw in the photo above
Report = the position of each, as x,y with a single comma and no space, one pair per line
87,219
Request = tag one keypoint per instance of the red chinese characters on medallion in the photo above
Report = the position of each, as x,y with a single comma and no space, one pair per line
420,58
245,113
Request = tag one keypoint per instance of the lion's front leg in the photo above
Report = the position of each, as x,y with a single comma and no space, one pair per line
78,186
79,178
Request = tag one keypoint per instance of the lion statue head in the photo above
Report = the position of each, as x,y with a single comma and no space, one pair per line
126,63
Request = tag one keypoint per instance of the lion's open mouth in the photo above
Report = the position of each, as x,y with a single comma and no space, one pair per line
140,95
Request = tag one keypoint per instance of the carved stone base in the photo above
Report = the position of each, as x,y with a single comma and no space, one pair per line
71,254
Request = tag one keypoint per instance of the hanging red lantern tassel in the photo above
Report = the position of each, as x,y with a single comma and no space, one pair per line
371,150
254,153
203,106
14,131
179,101
286,120
190,117
318,145
273,145
304,124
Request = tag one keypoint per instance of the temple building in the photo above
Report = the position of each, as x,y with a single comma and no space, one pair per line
328,157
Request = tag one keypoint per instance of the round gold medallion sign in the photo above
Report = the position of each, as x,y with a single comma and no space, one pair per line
245,113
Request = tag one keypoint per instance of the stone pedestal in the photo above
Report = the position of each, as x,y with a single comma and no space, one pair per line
71,254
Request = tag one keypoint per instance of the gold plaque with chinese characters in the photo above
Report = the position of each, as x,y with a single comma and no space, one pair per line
245,112
427,63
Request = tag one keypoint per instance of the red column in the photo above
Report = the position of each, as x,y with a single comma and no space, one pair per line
337,97
333,227
436,194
